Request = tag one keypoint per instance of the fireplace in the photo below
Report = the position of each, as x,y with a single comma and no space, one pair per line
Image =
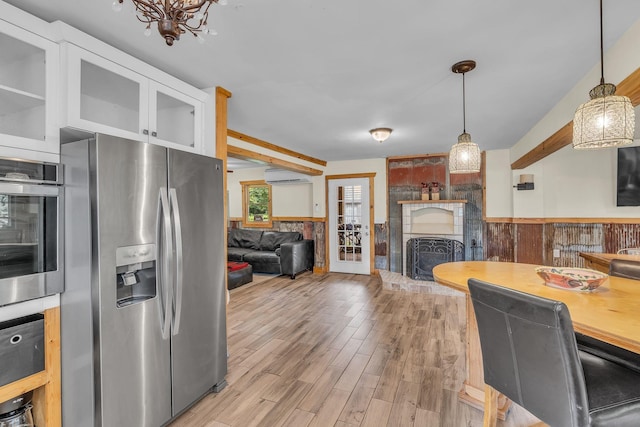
442,219
424,253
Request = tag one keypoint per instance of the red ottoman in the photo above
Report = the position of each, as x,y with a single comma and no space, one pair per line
238,274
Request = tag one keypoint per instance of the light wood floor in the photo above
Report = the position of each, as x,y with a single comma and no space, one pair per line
338,350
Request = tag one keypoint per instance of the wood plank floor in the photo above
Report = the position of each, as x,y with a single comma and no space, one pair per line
338,350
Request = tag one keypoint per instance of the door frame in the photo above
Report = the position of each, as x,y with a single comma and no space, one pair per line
370,176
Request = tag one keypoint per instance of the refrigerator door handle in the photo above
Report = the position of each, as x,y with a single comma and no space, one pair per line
179,283
164,259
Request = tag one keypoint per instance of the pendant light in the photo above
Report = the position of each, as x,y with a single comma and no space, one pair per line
607,120
464,156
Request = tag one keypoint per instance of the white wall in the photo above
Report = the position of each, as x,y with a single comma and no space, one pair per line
620,60
378,166
499,202
306,200
287,200
568,183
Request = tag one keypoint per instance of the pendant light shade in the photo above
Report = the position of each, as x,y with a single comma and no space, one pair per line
464,156
607,120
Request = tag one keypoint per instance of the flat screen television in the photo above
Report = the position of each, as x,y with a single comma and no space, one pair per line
628,176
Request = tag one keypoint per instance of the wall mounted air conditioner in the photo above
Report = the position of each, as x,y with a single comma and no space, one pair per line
285,177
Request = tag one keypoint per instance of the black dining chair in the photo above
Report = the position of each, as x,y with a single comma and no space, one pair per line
625,268
530,355
629,270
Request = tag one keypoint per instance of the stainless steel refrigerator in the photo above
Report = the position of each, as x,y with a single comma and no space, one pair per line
143,312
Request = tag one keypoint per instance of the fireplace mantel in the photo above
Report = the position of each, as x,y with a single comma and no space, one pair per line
409,202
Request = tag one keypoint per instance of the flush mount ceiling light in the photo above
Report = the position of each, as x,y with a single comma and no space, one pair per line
380,134
607,120
174,17
464,156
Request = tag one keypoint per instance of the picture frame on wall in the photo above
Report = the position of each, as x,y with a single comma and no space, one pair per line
628,183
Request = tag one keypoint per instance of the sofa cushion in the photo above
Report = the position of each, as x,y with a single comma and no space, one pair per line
262,257
241,238
271,240
237,254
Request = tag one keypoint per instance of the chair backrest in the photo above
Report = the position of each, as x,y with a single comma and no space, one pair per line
625,268
529,353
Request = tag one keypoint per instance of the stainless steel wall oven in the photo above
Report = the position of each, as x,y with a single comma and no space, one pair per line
31,230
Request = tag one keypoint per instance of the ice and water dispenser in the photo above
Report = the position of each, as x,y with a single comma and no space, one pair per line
135,274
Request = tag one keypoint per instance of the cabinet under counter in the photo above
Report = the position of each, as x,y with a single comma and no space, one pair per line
45,384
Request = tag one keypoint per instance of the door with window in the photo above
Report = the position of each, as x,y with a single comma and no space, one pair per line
349,225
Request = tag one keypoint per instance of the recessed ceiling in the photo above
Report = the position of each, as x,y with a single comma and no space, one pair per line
315,76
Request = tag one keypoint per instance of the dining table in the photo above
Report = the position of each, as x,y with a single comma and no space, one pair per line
610,313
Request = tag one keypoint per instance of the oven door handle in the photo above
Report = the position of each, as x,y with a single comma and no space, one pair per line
29,190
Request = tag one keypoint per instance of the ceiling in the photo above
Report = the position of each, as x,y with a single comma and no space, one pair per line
314,76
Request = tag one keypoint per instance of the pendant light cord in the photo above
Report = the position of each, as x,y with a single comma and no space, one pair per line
601,48
464,107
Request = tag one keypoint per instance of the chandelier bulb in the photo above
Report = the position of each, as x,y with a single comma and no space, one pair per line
200,39
222,2
147,32
116,6
199,16
213,32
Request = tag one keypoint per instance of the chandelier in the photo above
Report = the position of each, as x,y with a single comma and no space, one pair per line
607,120
464,156
174,17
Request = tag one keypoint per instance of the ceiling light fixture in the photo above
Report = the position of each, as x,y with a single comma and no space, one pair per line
464,156
174,17
607,120
380,134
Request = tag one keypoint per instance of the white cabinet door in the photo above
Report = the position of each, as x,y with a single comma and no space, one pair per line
104,97
29,66
175,119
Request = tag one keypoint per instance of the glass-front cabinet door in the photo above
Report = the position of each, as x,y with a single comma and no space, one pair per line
175,119
105,97
28,90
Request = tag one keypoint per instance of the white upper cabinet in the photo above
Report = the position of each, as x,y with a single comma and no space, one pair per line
28,91
105,97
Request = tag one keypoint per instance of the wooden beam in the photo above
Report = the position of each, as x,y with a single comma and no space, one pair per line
563,220
417,156
222,97
352,175
558,140
241,153
628,87
275,148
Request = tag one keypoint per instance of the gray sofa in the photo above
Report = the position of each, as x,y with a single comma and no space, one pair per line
280,252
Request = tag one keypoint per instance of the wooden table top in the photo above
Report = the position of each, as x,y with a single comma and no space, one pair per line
593,256
611,313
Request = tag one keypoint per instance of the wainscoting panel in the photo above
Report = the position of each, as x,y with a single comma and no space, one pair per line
529,243
499,241
619,236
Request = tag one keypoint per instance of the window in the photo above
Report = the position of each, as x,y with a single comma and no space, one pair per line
256,204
